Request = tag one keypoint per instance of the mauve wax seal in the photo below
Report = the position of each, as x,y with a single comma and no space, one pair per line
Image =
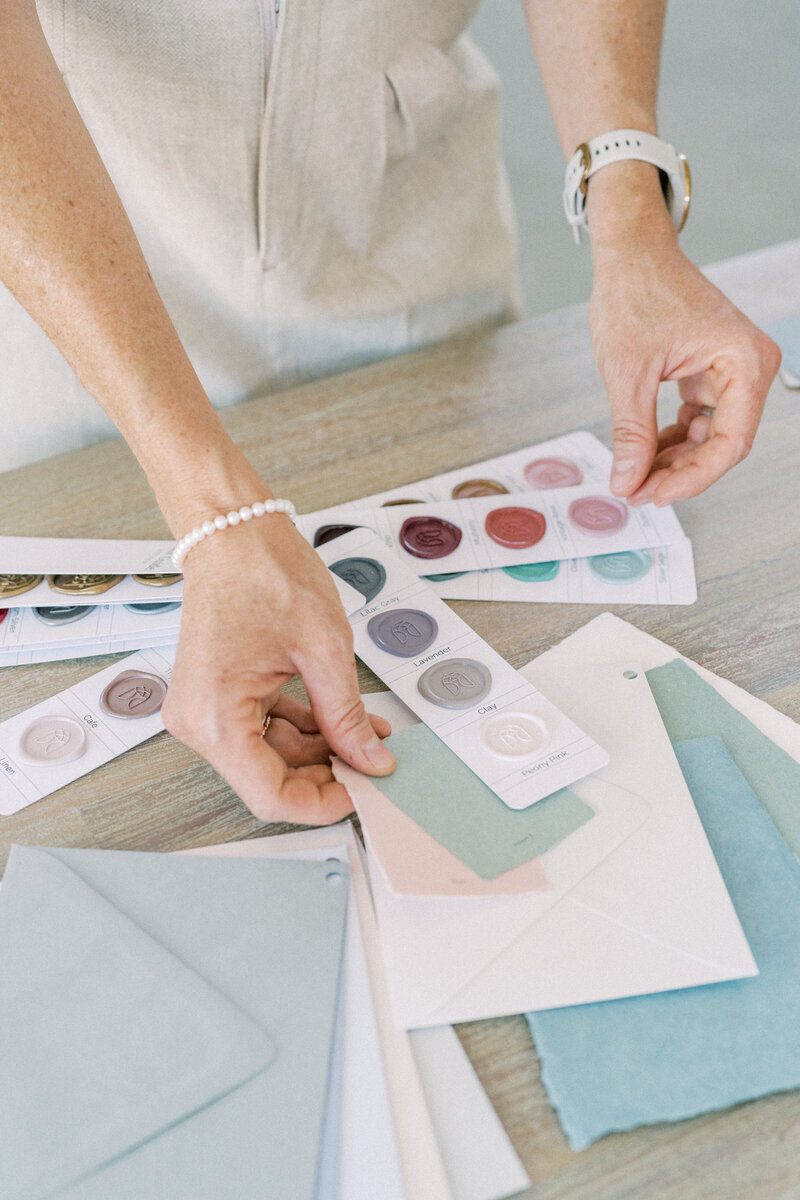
134,694
545,473
600,516
429,537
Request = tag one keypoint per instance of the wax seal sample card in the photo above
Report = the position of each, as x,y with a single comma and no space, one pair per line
509,734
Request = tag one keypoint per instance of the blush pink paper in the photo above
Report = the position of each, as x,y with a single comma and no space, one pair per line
414,863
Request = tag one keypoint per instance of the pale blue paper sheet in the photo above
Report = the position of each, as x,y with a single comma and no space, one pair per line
786,333
250,947
665,1057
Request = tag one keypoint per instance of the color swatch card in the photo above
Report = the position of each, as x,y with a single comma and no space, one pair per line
566,461
653,915
190,1053
505,731
665,1058
62,651
662,575
487,531
34,628
89,724
34,590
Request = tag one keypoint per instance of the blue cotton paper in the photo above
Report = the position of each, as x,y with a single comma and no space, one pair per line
665,1057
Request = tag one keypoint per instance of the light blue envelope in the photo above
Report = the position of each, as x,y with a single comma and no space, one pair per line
691,708
165,1024
437,790
665,1057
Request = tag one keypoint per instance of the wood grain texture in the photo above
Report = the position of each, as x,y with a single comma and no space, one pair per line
400,420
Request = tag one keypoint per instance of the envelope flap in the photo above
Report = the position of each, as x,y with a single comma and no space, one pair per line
126,1039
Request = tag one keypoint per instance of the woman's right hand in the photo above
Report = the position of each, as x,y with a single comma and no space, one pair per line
259,607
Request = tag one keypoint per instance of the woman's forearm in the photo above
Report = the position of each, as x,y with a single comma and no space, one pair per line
70,256
600,65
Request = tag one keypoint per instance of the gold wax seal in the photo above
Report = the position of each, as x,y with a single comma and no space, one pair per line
15,585
82,585
157,580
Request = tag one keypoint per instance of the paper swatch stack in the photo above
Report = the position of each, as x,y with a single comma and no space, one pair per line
650,932
213,1025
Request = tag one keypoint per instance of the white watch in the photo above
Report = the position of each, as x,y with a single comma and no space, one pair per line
615,147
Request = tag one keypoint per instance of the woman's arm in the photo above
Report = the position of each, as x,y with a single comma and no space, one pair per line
653,315
258,604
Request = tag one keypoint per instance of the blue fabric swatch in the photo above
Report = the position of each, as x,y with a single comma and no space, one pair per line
665,1057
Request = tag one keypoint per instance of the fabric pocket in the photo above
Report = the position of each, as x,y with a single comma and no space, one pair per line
425,93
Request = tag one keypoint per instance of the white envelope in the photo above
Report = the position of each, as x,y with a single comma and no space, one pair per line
441,1158
653,916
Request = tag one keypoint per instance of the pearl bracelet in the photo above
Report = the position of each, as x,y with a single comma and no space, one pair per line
220,521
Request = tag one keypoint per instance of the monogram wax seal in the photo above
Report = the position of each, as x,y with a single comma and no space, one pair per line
429,537
51,740
404,632
15,585
455,683
83,585
513,735
134,694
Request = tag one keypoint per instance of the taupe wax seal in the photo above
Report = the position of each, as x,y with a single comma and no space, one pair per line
83,585
134,694
15,585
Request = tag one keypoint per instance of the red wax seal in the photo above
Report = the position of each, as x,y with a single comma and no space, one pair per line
516,528
429,537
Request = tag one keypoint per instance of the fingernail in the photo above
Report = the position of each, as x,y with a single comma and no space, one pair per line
379,754
622,471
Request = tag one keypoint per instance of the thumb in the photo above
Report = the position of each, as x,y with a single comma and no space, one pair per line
635,432
332,685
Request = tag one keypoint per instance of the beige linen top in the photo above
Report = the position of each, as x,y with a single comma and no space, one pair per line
351,207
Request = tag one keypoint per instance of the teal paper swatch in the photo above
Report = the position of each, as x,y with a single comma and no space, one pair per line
692,708
666,1057
165,1024
438,791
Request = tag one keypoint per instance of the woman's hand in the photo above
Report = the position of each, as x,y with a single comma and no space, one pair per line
654,316
259,606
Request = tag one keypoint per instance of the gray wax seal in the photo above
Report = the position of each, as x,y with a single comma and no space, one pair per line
159,606
404,632
63,614
366,575
455,683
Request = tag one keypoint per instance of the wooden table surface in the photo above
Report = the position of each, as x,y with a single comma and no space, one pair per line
400,420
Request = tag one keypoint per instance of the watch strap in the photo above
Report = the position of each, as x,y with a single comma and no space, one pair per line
617,146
